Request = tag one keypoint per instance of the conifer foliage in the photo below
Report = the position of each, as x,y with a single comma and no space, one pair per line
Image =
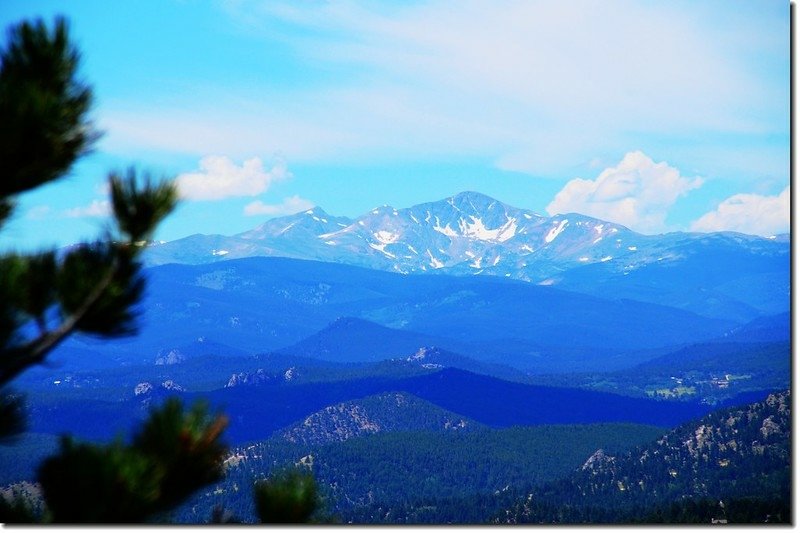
91,288
88,289
173,455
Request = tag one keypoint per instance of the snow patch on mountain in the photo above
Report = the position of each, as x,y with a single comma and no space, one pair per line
553,233
508,230
380,248
287,228
446,230
435,263
386,237
477,230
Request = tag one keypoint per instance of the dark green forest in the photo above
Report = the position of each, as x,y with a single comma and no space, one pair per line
402,472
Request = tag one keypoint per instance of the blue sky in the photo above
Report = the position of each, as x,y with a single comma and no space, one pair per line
662,116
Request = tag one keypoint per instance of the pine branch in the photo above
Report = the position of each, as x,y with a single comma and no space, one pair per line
34,352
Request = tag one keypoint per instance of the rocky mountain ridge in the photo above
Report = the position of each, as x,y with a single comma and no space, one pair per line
468,233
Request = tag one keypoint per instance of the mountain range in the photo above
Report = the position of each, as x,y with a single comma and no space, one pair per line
737,276
509,286
262,304
444,362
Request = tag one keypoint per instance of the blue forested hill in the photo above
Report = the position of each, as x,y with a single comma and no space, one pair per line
353,340
769,328
256,412
349,339
262,304
711,372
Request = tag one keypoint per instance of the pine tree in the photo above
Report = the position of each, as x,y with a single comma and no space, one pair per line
90,289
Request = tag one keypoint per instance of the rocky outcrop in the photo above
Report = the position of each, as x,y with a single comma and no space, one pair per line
396,411
259,377
171,357
146,391
741,452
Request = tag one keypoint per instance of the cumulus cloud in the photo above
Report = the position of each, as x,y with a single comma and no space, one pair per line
289,206
98,208
219,177
636,193
749,213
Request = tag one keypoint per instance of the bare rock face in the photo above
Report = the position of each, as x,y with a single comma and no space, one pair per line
25,491
336,422
147,390
597,461
420,354
172,386
423,358
258,377
171,357
143,388
780,402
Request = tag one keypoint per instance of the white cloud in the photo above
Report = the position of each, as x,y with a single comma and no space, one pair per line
749,213
636,193
535,86
98,208
219,177
289,206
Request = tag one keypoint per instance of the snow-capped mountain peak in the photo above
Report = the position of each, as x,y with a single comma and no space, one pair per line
468,233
